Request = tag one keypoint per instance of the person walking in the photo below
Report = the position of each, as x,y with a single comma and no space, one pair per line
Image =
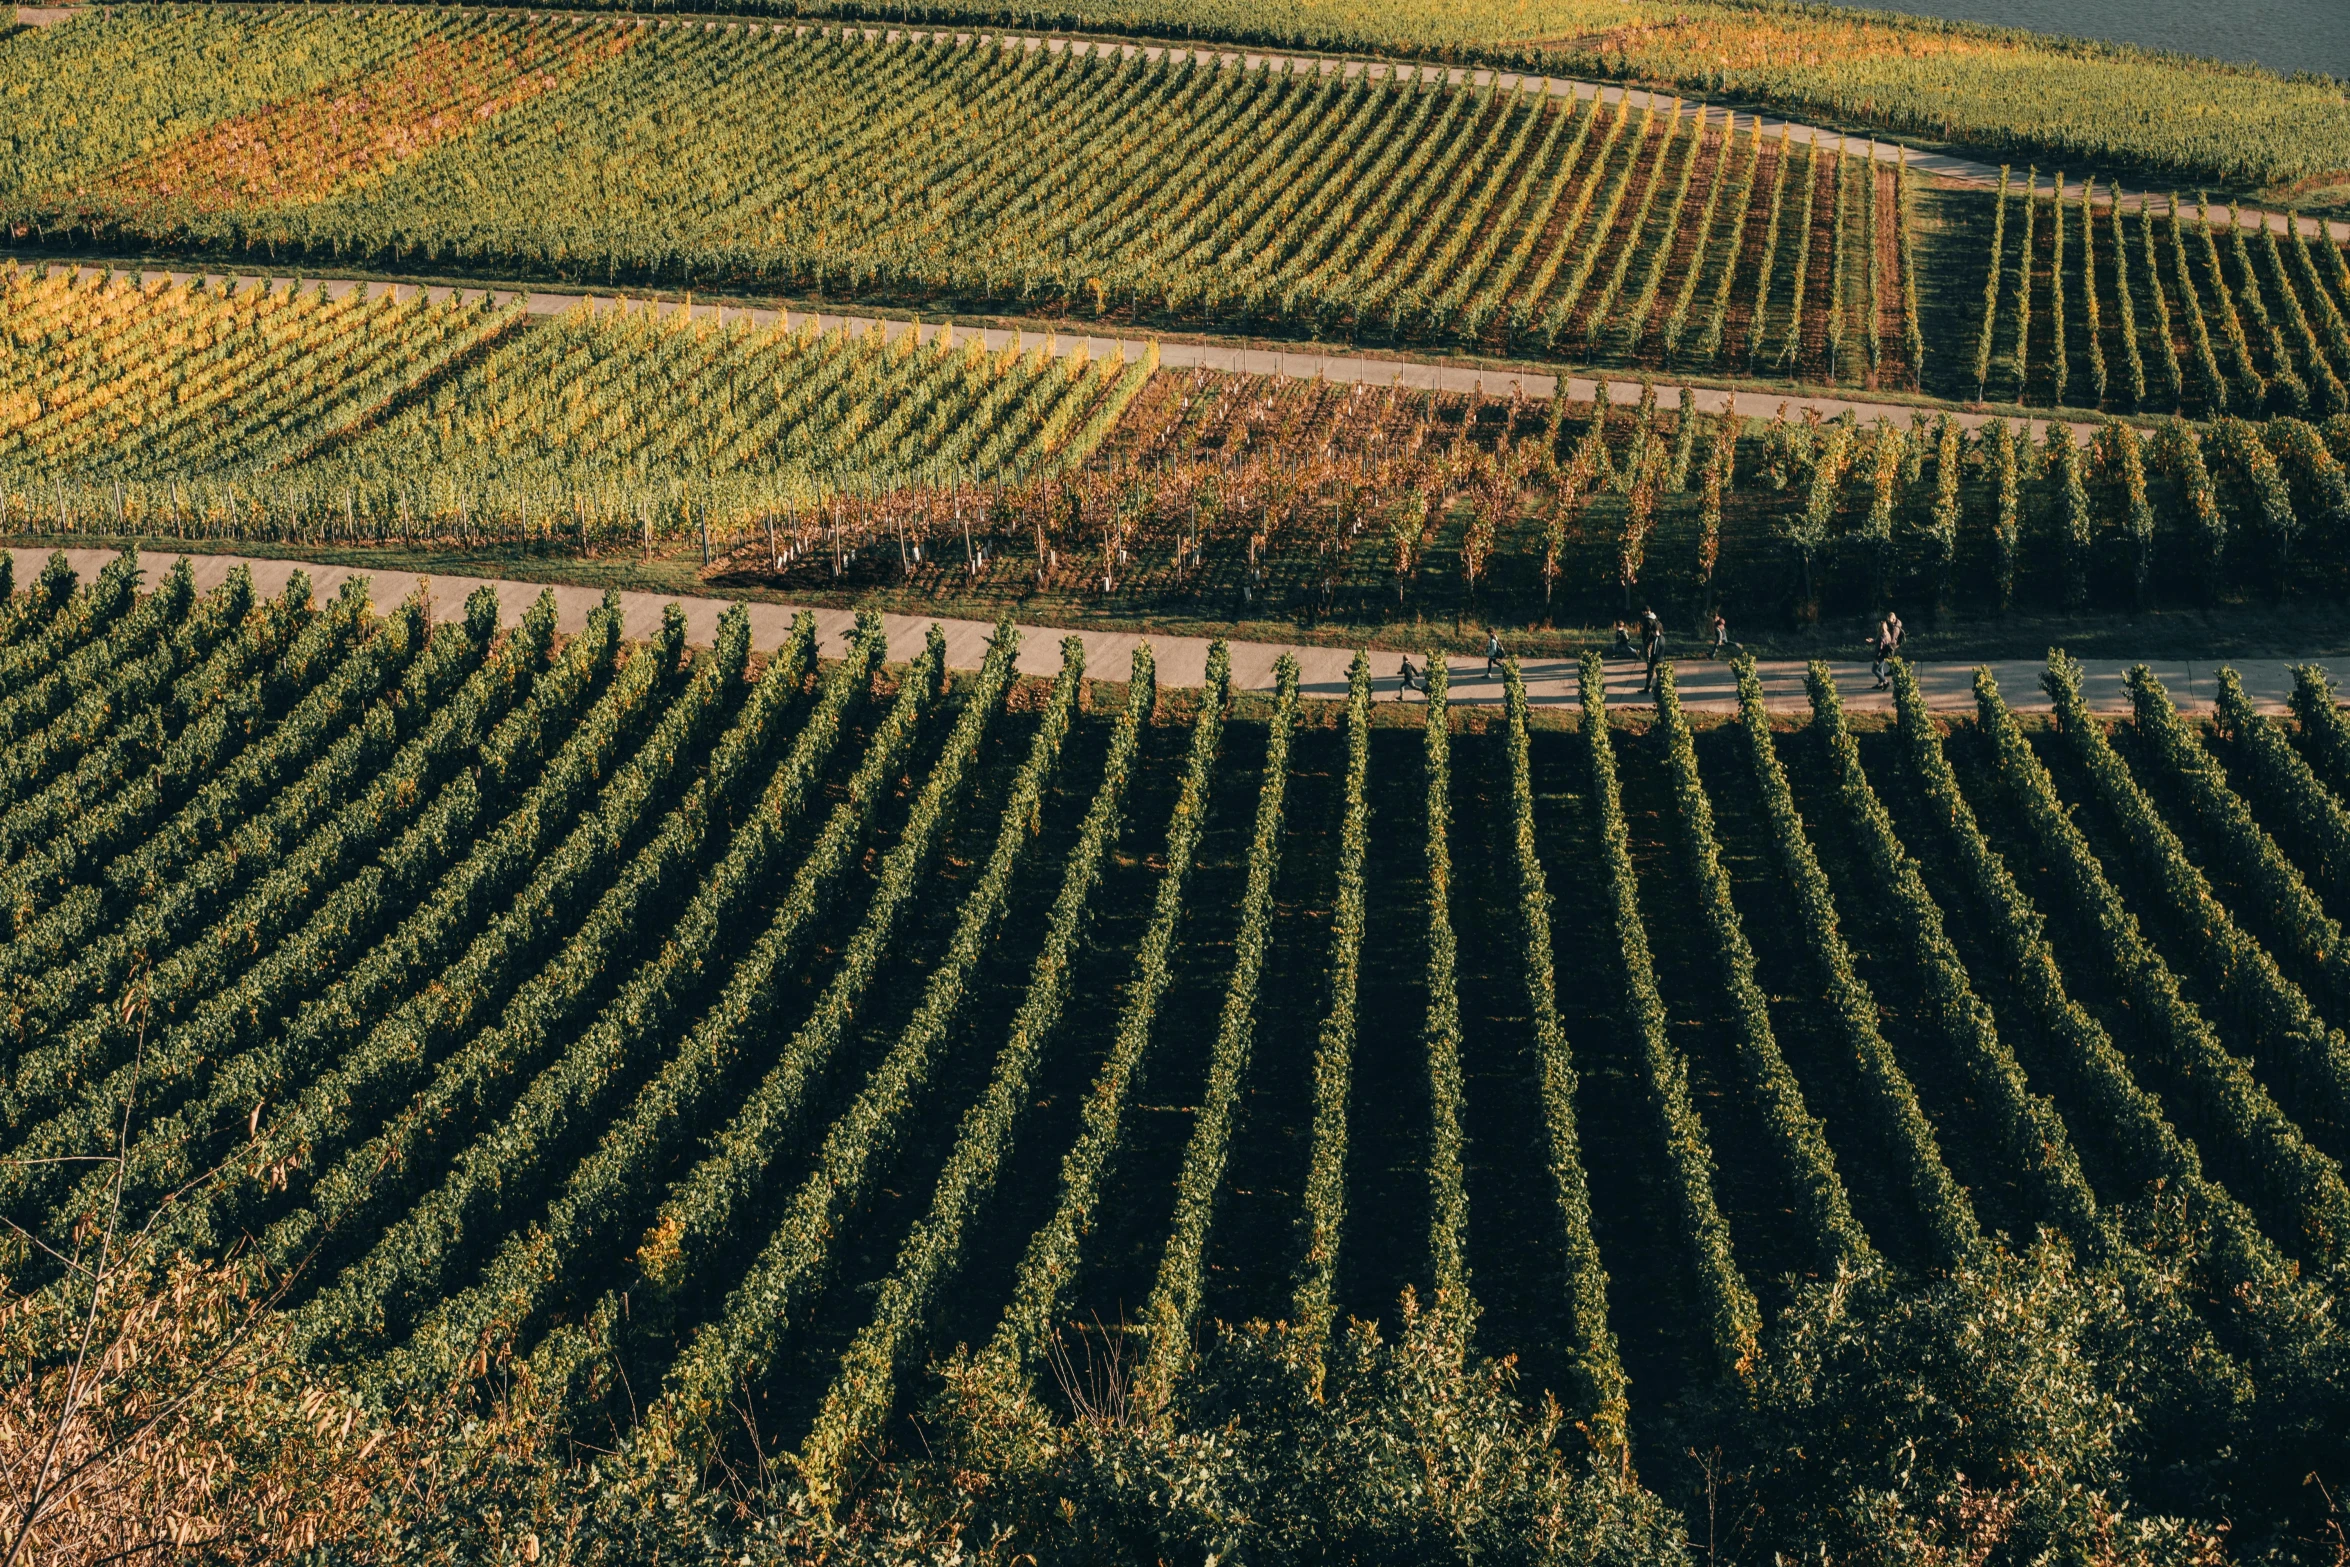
1654,652
1408,679
1492,653
1881,649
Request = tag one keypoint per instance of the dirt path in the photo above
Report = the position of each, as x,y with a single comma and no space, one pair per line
1705,686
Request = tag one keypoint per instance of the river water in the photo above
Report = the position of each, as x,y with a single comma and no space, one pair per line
2284,35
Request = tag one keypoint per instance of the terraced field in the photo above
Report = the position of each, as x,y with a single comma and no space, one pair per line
731,1042
959,170
283,412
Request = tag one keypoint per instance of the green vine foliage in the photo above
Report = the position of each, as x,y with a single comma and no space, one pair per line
2033,1133
405,1273
2080,1056
1941,1202
606,1195
1030,1322
321,896
2278,1014
736,1350
115,627
52,894
859,1399
1733,1319
368,1061
1448,1197
2311,814
541,764
297,834
1835,1234
1173,1304
1314,1300
1603,1404
2324,728
2300,1189
539,767
64,764
419,1065
2273,893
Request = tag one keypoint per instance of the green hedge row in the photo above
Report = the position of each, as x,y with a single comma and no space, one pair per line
310,902
403,1072
2073,1045
541,766
735,1350
1941,1202
1323,1222
1822,1202
863,1390
512,1159
2031,1133
2278,1015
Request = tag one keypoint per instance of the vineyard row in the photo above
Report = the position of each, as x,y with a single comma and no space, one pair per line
584,1003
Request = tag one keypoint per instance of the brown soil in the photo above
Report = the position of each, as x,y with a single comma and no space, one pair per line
2106,280
1745,295
1619,229
1685,253
1553,233
2040,351
1893,359
1819,282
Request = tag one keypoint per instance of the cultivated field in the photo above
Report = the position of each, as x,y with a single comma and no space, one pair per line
1009,481
1982,87
975,172
486,1092
724,1044
2087,306
265,412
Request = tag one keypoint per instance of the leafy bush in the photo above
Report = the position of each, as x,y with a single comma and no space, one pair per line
1989,1414
1382,1452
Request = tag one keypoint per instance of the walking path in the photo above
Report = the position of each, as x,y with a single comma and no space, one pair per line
1705,686
1343,369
